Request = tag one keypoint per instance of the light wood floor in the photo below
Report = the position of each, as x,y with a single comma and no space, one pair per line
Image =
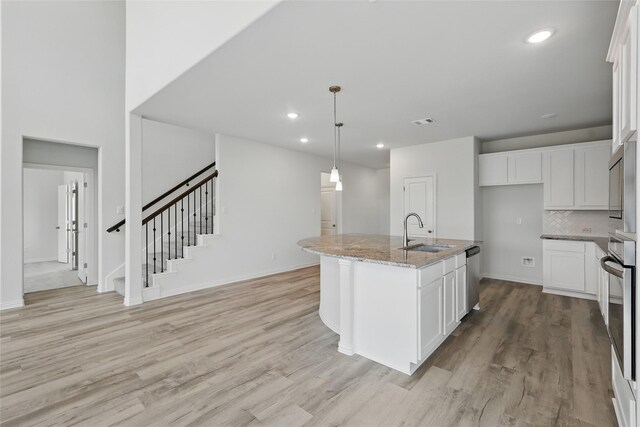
257,353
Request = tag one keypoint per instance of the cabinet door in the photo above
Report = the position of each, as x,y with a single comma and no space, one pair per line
461,292
525,168
591,268
628,57
564,270
431,317
592,177
559,179
450,321
493,170
616,106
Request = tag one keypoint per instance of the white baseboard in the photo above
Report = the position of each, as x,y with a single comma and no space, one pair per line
525,280
156,292
34,260
7,305
568,293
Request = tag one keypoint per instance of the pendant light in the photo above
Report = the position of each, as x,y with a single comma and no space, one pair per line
339,183
335,174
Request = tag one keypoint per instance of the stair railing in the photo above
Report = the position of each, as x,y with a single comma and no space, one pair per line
198,204
186,182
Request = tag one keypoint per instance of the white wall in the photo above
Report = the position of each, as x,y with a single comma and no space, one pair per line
454,163
383,190
171,154
41,214
505,242
62,80
269,199
166,38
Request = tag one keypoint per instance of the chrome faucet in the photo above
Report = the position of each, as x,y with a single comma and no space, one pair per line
405,238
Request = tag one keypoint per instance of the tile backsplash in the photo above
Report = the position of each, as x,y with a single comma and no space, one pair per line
581,223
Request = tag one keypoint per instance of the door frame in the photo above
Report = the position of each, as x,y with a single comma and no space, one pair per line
338,195
435,198
91,233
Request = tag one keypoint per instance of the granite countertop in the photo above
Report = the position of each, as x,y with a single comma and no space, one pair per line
601,241
382,249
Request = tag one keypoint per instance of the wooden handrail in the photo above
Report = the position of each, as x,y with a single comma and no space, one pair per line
178,198
116,227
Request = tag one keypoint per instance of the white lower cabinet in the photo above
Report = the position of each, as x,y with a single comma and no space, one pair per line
431,317
461,292
450,313
573,268
563,265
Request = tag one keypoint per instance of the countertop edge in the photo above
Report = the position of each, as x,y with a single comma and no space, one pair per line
600,241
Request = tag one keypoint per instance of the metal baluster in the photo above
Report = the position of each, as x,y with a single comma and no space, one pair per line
182,224
175,228
154,245
195,237
161,244
201,209
188,219
146,251
169,233
206,207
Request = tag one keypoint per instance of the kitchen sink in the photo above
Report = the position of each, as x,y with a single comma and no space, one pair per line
421,247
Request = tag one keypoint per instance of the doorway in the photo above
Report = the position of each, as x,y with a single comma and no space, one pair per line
420,197
330,218
58,223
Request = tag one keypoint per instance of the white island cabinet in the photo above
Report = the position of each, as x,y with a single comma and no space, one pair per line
389,305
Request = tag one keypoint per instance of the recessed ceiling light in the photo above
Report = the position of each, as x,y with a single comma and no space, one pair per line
292,115
540,35
380,145
304,140
549,116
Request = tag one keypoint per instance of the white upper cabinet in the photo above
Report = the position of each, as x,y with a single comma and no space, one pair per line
623,52
525,168
592,177
493,170
577,178
559,179
510,168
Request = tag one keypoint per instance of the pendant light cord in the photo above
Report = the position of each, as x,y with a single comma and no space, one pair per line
335,136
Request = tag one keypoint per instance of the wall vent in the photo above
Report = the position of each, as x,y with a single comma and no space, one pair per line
425,121
528,262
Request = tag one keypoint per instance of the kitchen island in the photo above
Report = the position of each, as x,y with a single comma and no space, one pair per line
388,304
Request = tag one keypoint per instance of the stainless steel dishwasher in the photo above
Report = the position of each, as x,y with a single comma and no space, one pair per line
473,278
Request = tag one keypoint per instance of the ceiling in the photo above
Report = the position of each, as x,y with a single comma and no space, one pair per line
463,63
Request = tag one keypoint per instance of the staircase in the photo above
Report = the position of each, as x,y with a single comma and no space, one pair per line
174,226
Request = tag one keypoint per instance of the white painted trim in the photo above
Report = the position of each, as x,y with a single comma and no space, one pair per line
157,292
507,278
7,305
568,293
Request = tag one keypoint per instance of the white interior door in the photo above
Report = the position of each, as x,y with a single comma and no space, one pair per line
328,207
419,197
328,212
82,231
62,227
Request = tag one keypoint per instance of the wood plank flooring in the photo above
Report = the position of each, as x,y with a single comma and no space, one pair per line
256,353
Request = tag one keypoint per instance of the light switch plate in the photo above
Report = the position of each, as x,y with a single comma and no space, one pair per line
120,210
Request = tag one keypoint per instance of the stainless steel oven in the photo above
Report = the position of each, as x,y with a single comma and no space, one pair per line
622,190
620,264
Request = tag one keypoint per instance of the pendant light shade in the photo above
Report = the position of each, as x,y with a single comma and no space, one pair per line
339,185
335,175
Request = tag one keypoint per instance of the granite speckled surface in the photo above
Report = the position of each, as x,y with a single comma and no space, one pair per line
602,242
382,249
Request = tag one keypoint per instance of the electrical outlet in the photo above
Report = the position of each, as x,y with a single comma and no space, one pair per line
273,256
528,262
519,221
119,210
